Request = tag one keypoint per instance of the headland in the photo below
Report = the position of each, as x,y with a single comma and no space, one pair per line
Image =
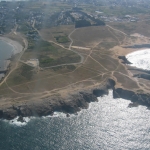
65,65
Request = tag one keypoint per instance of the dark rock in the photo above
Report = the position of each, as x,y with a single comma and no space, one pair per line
111,84
142,99
138,46
88,97
125,60
9,114
1,113
100,92
141,70
133,105
144,76
121,93
67,115
73,103
20,119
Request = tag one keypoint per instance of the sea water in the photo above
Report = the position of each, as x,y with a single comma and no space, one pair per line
106,124
140,59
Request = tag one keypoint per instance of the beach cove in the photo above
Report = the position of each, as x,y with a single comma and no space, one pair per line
8,48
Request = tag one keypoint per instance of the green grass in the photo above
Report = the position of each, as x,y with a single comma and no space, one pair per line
47,61
62,39
71,67
26,71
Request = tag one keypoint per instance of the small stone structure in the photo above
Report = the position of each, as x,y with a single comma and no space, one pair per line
33,62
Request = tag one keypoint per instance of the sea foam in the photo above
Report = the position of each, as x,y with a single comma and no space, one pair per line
18,123
140,59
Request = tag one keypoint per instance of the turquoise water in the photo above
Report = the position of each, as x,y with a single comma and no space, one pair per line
107,125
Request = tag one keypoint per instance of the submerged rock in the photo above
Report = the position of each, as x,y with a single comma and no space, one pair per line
20,119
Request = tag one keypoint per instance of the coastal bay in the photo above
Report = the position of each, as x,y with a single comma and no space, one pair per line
8,48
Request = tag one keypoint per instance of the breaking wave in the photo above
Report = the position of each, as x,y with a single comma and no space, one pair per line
140,59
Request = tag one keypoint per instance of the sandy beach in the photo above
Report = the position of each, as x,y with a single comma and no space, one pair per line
17,47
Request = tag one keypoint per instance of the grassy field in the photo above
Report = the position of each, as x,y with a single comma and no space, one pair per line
137,27
49,54
61,32
91,36
62,39
99,64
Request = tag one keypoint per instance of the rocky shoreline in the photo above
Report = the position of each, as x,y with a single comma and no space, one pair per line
73,103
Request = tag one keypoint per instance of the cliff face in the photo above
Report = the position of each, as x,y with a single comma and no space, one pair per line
142,99
73,103
47,106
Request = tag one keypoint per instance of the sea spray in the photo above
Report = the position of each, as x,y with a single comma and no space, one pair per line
18,123
140,59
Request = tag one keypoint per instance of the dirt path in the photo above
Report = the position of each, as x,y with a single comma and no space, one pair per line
116,30
79,63
69,36
17,61
78,47
130,75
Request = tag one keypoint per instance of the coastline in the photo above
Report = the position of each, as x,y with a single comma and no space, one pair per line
140,59
70,104
73,103
17,47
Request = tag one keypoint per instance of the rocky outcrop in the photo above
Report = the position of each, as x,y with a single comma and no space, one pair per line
139,98
138,46
125,60
144,76
140,70
72,103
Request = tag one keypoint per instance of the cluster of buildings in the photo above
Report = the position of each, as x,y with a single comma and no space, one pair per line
7,19
126,18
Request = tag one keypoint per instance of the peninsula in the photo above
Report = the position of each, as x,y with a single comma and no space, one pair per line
70,55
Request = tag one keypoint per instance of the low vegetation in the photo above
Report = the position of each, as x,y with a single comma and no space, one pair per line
85,23
82,23
62,39
26,71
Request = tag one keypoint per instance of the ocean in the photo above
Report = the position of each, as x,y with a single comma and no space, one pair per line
140,59
108,124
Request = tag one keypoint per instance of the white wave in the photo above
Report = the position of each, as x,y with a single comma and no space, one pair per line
59,115
56,114
140,59
18,123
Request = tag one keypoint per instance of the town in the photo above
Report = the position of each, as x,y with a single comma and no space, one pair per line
24,13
